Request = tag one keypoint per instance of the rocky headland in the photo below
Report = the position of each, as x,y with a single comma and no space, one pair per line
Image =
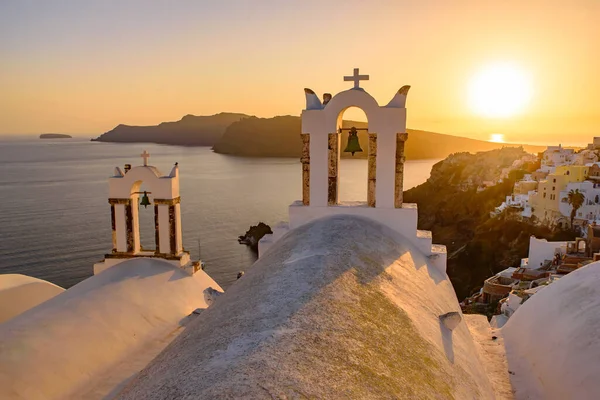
247,136
254,234
190,130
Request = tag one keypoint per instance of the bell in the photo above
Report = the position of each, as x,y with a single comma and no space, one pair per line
145,200
353,145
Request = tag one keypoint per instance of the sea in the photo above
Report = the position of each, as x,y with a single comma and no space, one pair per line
55,216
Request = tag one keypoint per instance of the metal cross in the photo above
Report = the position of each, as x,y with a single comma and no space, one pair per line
356,78
145,155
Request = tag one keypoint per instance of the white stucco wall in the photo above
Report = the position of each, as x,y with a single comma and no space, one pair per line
541,250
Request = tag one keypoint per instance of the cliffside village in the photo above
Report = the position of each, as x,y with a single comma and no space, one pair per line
563,192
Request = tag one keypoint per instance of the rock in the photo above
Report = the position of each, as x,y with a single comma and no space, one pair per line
254,234
451,319
211,294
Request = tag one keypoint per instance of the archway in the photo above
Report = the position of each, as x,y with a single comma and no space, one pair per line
320,134
353,169
145,218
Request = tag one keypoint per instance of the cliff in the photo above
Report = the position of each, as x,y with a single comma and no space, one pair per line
459,216
280,137
191,130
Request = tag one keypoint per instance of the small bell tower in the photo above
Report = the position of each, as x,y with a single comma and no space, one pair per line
125,201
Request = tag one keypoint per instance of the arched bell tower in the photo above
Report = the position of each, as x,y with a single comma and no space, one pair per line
124,200
321,123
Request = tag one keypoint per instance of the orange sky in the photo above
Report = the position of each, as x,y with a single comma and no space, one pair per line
85,66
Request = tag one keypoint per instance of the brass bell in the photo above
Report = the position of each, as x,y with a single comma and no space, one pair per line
353,145
145,200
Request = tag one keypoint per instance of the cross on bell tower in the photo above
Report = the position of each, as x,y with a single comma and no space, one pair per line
356,78
145,155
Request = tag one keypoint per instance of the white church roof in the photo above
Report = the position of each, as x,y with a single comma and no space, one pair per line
88,340
553,339
342,307
19,293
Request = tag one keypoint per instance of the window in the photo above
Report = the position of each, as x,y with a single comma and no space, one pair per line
553,187
554,180
544,195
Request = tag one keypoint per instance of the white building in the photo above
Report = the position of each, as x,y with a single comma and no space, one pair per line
590,211
541,250
557,155
585,157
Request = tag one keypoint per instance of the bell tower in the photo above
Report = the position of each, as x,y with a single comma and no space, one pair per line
387,135
125,200
321,127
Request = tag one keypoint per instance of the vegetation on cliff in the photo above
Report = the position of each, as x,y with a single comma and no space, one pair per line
459,216
191,130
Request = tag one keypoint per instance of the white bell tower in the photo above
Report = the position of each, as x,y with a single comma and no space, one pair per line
321,127
124,200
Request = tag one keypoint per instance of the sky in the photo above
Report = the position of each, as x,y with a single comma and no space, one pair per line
83,67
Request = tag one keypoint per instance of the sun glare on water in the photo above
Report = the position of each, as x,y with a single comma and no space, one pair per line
500,91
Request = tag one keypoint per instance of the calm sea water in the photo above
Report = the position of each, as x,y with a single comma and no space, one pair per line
55,217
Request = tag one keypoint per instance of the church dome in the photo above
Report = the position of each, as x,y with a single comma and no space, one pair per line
553,339
341,307
89,339
19,293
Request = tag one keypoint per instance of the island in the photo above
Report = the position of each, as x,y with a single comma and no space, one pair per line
55,136
243,135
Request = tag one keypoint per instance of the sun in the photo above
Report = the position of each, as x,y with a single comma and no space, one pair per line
497,138
500,90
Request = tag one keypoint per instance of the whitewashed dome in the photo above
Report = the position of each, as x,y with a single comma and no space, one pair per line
19,293
553,339
83,342
342,307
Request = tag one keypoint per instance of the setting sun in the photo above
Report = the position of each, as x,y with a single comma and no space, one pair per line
499,91
497,138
